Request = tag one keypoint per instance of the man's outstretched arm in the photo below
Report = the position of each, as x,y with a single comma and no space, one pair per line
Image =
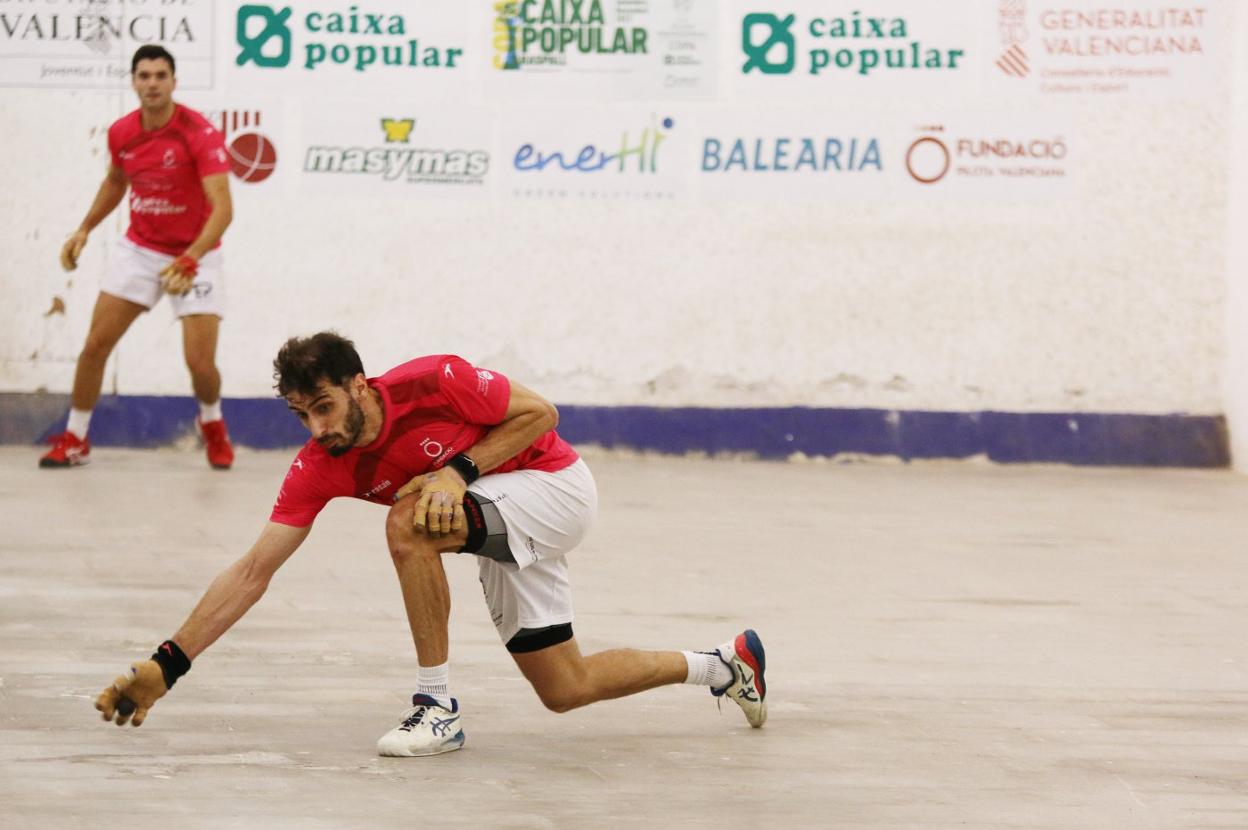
230,595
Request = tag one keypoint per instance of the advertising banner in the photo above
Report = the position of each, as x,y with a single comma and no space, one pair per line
838,50
616,153
368,48
791,154
257,141
88,45
608,50
1136,48
368,149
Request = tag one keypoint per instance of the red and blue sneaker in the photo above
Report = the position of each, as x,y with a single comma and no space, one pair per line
748,661
430,727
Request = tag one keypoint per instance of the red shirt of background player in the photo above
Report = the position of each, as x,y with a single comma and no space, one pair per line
168,208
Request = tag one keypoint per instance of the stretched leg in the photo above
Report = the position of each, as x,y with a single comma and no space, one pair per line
109,321
566,680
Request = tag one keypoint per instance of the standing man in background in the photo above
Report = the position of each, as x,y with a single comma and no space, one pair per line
174,163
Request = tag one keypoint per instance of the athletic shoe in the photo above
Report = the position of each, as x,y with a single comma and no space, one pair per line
217,442
748,661
68,450
428,728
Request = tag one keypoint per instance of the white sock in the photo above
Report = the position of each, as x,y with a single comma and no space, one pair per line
210,411
79,420
435,681
706,669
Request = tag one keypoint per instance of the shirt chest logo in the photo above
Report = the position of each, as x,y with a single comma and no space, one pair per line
435,450
170,158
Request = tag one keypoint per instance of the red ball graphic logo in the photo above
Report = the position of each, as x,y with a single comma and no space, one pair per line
252,157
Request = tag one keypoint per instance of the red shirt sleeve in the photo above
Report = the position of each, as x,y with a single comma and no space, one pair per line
113,148
208,149
479,396
300,498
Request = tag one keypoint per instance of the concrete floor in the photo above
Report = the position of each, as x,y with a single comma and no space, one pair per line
949,645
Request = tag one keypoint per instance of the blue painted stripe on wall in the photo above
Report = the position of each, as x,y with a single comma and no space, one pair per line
1074,438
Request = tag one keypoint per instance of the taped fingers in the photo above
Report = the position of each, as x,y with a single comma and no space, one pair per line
444,515
106,701
130,697
112,702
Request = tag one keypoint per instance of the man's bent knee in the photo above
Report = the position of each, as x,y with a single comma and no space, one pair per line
399,530
406,541
564,692
563,700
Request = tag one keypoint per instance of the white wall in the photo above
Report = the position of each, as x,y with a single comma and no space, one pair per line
1237,261
1105,290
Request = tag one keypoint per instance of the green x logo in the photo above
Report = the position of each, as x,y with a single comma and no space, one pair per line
778,35
273,25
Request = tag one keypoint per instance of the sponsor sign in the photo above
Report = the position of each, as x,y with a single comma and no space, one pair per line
255,139
88,45
786,154
623,153
1129,47
808,48
992,155
365,150
348,44
664,49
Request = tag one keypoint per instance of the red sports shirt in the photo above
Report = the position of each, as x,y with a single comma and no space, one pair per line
168,208
435,407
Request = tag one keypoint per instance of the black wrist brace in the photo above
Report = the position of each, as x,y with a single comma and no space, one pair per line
465,466
173,662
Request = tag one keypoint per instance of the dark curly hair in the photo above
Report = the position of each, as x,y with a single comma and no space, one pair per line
303,363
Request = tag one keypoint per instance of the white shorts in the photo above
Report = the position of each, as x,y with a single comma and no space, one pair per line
134,275
547,515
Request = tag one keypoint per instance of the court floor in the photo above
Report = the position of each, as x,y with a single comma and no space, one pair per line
948,645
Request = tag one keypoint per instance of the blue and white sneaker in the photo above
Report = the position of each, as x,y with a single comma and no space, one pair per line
747,660
428,728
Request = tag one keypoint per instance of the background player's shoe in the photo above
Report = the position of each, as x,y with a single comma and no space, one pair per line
217,443
68,450
428,728
745,656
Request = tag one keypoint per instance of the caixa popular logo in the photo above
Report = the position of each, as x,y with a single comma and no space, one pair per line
857,44
546,32
353,38
937,155
252,154
637,151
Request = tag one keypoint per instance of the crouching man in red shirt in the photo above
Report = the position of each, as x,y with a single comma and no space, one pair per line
468,461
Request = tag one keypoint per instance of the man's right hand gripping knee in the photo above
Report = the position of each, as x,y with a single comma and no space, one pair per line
131,696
